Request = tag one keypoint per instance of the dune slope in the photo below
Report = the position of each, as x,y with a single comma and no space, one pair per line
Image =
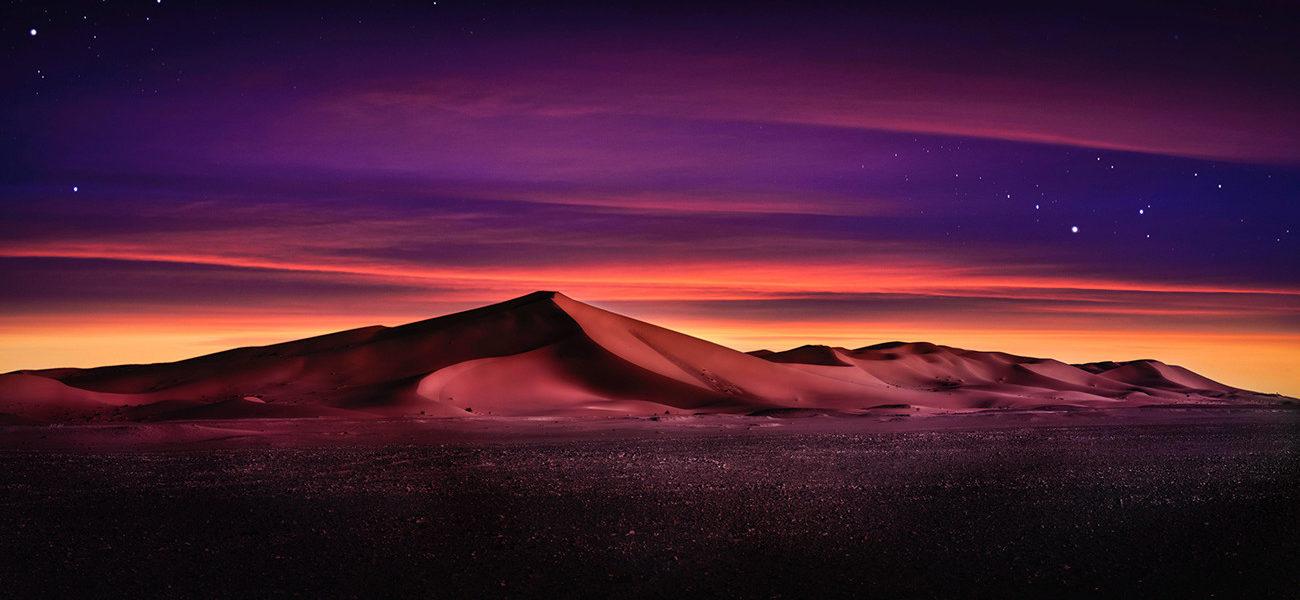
546,354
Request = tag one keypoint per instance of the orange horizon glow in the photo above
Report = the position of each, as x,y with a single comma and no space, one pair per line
1226,332
1259,361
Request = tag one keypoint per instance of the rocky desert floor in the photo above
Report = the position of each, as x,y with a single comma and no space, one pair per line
1170,502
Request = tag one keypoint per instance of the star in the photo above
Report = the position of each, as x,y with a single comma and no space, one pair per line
1074,229
75,188
1142,211
31,32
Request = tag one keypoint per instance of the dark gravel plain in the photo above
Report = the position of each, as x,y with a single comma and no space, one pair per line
842,508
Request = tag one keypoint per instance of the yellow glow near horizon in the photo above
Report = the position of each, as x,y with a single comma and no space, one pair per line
1261,362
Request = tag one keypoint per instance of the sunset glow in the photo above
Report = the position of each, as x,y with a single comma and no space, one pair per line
167,198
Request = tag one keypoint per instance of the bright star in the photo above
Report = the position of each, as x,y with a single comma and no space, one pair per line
75,188
31,32
1142,211
1074,229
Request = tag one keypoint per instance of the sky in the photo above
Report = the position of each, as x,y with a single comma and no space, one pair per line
1101,182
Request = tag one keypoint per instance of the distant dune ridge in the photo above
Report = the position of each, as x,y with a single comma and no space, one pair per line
545,354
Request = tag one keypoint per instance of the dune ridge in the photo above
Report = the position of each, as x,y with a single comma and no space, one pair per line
544,354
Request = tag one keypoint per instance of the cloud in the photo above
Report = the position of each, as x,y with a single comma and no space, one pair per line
1159,116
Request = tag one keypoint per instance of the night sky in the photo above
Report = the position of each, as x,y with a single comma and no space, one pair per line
1109,182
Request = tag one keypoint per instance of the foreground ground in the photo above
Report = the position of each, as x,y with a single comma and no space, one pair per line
1168,502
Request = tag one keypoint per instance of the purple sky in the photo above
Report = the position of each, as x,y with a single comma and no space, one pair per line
764,175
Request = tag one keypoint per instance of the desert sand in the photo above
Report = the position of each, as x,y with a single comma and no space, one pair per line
545,354
1156,502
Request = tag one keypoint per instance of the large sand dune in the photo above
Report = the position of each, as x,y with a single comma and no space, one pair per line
546,354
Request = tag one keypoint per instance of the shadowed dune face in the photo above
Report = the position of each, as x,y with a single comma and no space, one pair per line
807,355
546,354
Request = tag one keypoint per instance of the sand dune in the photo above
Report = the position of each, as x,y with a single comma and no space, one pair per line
546,354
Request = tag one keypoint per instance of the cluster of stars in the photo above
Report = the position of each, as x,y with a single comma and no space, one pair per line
1104,166
90,26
